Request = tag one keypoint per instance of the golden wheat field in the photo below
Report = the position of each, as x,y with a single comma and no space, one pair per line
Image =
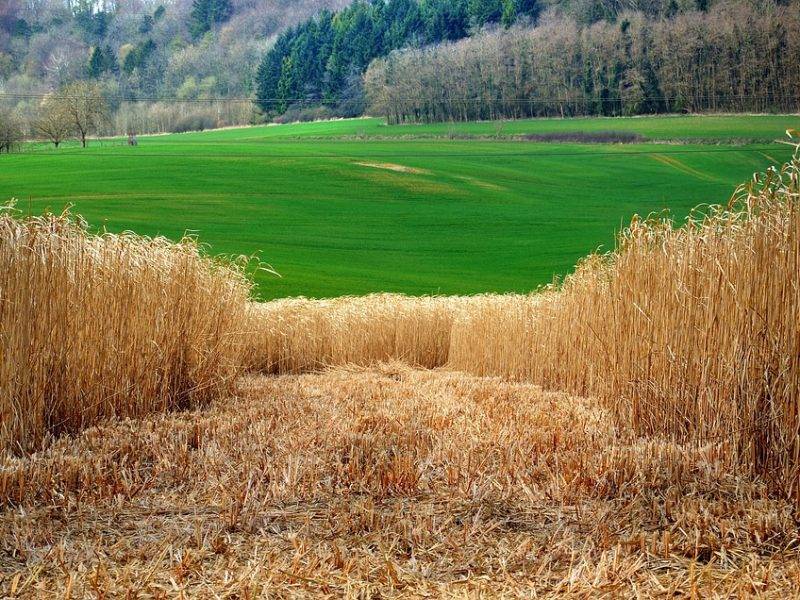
633,431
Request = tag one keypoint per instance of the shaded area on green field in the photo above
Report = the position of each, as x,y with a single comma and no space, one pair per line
416,216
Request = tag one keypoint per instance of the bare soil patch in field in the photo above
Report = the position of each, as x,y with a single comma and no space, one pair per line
393,167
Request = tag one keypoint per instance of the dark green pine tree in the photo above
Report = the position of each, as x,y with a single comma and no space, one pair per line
529,8
288,84
672,9
269,72
651,87
97,63
206,14
198,18
324,45
146,25
591,106
513,10
111,63
401,23
138,57
365,41
219,11
482,12
304,58
336,68
444,20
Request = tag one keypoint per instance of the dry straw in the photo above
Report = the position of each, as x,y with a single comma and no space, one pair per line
387,482
688,338
109,325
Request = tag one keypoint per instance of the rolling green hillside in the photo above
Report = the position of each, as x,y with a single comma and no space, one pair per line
351,207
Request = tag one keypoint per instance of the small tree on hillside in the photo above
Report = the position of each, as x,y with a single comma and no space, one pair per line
10,131
53,120
85,107
97,63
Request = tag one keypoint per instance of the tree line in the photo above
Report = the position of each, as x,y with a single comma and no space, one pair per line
322,59
735,57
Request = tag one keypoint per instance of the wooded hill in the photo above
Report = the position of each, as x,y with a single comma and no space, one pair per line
182,52
189,48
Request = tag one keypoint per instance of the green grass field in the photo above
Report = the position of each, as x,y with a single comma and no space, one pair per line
356,206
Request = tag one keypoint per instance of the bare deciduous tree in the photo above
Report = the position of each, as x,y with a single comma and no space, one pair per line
84,104
10,131
53,120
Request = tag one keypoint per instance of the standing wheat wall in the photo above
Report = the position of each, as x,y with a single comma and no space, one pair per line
706,327
297,334
111,325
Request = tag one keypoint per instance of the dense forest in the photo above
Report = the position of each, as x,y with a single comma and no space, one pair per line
323,59
734,57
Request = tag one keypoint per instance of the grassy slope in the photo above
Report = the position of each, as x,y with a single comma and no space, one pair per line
478,216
